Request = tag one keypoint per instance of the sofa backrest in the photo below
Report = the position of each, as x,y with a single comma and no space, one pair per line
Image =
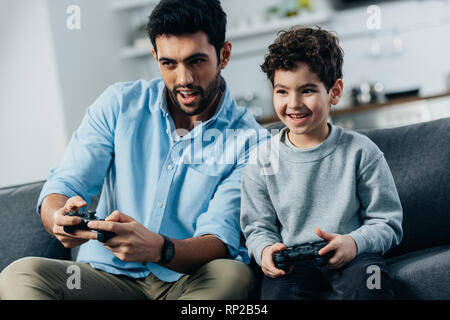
21,231
419,158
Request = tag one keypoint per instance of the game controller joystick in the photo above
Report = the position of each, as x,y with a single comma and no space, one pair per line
102,235
310,251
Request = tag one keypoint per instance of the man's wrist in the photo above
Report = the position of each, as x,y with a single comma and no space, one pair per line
167,251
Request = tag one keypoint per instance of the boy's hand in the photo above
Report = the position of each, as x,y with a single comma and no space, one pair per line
267,265
344,248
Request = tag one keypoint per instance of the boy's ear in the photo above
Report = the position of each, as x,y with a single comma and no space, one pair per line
336,92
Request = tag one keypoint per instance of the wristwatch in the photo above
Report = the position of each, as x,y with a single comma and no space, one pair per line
167,251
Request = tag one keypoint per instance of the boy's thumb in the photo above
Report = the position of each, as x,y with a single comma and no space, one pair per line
324,235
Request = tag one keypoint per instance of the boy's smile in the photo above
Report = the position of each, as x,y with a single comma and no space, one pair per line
302,103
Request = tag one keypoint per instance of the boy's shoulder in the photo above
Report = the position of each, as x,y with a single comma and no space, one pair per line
359,146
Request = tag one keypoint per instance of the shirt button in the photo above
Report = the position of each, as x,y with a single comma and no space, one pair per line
159,204
169,167
167,131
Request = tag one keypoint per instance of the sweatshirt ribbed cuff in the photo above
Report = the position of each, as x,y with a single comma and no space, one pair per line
361,242
257,252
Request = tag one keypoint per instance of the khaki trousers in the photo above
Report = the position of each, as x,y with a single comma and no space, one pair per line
41,278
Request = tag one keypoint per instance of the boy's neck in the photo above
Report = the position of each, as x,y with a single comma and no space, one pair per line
309,140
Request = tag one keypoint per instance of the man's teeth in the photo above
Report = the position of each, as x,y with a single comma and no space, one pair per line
187,93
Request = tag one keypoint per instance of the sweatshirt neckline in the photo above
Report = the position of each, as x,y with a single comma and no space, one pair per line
294,154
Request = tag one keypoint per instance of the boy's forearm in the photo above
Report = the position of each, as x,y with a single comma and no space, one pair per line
50,204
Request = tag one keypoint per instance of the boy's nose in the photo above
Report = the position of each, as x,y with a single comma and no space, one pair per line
294,101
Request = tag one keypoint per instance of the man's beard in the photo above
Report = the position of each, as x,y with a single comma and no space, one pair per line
206,96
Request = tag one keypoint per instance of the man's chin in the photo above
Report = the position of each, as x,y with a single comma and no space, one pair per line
189,110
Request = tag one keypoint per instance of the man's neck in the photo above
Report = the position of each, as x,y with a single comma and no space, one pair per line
183,121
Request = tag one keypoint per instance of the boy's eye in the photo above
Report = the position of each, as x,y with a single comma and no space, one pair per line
281,91
306,91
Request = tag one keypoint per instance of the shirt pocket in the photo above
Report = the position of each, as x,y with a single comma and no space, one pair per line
191,198
202,182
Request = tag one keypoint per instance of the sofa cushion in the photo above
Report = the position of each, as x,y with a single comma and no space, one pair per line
422,274
21,231
419,158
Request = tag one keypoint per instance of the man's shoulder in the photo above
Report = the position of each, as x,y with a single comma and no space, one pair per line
130,95
136,87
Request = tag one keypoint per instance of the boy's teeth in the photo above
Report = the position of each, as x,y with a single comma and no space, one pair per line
298,116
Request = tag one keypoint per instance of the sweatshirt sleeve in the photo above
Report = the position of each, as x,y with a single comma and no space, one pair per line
381,210
259,220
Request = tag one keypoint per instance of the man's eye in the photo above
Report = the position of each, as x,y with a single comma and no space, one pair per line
306,91
167,63
281,91
197,61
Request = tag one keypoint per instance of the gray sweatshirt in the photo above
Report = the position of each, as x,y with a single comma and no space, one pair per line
343,185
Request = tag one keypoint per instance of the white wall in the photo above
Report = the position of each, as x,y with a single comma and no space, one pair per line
87,58
32,130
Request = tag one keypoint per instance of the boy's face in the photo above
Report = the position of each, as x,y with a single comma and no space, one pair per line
302,103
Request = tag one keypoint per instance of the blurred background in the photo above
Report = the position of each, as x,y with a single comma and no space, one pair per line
58,56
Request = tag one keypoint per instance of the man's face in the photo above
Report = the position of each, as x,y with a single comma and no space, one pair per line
189,69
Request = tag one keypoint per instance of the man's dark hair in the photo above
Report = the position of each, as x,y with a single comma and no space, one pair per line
318,48
179,17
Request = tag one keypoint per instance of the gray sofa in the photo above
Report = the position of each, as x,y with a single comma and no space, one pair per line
419,157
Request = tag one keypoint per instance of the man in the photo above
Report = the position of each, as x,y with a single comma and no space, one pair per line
170,188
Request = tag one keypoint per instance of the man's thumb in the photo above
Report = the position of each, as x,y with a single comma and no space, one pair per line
117,216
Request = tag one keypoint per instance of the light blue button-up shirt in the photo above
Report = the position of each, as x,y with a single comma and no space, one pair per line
126,147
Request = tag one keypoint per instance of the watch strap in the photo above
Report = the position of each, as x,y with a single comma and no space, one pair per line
167,251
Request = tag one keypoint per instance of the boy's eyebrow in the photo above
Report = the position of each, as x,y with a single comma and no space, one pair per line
192,56
277,85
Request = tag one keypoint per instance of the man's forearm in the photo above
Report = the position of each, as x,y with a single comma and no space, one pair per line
192,253
50,204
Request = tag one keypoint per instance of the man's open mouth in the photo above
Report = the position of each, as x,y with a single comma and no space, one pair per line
187,96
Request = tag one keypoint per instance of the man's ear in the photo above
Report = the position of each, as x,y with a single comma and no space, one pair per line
155,55
336,92
225,54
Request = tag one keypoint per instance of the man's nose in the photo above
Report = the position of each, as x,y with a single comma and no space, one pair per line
184,76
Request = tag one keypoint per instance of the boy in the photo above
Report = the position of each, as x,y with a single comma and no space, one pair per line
326,182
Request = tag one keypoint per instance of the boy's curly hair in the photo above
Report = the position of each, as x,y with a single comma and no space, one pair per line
318,48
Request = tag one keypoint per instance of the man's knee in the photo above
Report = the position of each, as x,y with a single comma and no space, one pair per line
25,279
226,279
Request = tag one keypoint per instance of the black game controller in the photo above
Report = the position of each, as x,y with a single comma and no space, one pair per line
102,235
310,251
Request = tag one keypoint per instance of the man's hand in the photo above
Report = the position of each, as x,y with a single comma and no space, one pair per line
344,248
132,242
267,264
70,240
